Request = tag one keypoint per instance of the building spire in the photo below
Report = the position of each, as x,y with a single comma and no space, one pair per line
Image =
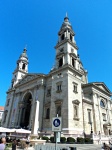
66,14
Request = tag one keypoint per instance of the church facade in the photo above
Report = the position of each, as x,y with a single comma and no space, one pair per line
83,106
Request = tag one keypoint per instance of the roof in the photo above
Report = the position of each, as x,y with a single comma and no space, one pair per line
2,108
99,85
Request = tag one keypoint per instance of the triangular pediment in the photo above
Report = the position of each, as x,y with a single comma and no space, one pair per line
102,86
28,78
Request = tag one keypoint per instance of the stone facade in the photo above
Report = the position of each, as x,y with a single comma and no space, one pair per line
64,91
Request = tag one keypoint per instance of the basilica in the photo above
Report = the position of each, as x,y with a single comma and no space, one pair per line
84,107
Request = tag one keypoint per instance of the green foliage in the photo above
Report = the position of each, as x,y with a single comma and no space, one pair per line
8,146
62,139
80,140
70,140
45,138
88,140
52,139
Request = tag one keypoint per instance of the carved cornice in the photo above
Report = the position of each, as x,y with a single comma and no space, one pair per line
47,104
58,102
76,102
86,101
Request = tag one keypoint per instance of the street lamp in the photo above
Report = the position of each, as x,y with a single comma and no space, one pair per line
91,128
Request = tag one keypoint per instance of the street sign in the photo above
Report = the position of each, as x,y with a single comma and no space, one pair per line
56,124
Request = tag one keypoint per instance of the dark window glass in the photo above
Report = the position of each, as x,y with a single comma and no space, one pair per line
73,62
23,67
60,62
48,113
89,116
62,37
70,37
58,111
102,104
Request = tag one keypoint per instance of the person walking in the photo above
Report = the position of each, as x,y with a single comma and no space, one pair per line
105,147
2,143
14,144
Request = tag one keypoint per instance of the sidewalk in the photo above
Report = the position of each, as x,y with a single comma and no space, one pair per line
78,146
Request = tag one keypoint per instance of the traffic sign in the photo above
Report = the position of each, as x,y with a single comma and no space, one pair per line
56,124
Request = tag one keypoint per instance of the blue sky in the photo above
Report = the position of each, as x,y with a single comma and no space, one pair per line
36,23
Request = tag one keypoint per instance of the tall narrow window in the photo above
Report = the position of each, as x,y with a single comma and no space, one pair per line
49,92
89,116
75,85
47,113
8,102
5,115
62,37
102,103
23,67
70,37
58,111
60,62
59,86
73,62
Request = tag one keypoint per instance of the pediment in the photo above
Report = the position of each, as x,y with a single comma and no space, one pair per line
102,86
28,78
76,101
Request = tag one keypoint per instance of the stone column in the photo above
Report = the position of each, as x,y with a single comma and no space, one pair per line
108,116
100,115
35,124
94,114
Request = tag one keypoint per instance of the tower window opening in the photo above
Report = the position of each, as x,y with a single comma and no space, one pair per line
62,37
60,62
75,87
73,62
59,87
23,67
12,84
70,37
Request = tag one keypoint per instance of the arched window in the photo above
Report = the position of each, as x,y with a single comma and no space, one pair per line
23,67
60,62
62,37
102,103
70,37
5,115
48,113
73,62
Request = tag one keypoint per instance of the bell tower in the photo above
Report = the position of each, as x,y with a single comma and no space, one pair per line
67,50
66,45
21,68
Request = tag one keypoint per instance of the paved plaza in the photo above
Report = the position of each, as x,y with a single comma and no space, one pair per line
78,146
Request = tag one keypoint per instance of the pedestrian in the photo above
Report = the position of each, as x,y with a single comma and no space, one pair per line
2,143
14,144
110,143
105,147
27,142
